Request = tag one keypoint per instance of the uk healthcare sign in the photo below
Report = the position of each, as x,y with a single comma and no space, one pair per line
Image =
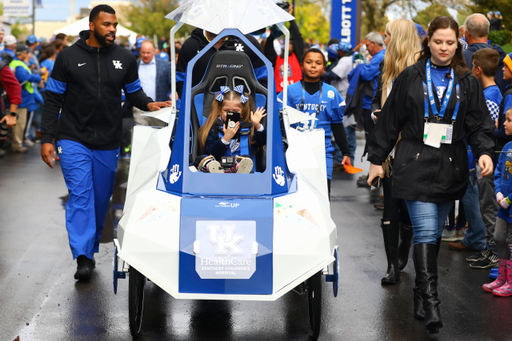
346,21
16,8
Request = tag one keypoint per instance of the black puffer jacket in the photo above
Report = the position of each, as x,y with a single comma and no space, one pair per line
86,83
421,172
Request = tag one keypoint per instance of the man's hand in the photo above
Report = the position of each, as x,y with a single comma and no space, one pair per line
485,163
9,120
47,154
155,106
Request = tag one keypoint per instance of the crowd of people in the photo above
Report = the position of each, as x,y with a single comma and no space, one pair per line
435,107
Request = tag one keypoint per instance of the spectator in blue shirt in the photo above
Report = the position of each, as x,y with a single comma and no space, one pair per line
370,73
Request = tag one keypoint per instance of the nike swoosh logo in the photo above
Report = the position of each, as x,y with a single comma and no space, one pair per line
82,64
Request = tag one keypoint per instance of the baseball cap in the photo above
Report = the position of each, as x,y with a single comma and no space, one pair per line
332,51
419,29
9,40
139,42
497,13
21,48
508,61
31,39
344,46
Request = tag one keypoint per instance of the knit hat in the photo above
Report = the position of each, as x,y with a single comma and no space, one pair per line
508,61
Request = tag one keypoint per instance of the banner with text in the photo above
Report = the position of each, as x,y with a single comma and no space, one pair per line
346,21
17,8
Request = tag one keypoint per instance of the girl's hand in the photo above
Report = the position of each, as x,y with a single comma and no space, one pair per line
229,133
499,197
375,172
257,116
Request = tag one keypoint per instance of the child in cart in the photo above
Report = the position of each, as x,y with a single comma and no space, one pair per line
231,134
502,286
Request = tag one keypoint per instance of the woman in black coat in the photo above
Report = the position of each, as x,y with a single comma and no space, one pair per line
436,104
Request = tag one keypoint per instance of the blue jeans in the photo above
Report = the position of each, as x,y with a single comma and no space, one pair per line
475,234
350,131
427,220
89,175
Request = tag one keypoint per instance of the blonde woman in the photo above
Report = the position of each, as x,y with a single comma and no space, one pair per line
402,43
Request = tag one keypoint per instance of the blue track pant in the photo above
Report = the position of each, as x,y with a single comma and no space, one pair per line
89,176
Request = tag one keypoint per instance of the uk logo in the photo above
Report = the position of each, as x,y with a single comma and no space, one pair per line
239,47
117,64
227,241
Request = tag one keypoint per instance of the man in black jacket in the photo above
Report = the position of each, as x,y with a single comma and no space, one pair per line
82,112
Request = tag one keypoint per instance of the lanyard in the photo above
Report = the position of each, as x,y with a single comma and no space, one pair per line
319,98
429,91
439,115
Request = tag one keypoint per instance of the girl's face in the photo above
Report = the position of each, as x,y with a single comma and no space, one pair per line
388,38
313,66
507,124
229,105
507,74
443,45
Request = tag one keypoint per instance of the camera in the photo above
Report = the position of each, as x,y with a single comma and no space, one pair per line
232,116
3,128
227,161
284,5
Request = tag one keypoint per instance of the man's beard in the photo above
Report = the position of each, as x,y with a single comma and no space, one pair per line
101,39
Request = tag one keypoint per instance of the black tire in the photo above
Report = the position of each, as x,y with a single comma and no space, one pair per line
315,304
135,300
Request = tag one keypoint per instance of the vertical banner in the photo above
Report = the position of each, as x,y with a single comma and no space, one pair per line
346,20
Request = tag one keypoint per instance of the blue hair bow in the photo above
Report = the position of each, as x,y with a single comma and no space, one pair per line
223,90
240,90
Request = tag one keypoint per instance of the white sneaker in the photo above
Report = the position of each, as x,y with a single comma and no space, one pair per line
210,165
242,165
449,236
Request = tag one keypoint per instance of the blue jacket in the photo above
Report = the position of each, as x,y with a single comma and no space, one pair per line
163,79
371,72
503,180
23,76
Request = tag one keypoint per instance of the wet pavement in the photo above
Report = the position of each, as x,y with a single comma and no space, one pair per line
40,300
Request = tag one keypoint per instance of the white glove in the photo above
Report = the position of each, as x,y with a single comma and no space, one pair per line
499,197
505,203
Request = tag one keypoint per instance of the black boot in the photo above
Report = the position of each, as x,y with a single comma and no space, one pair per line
419,313
390,231
84,268
426,275
405,245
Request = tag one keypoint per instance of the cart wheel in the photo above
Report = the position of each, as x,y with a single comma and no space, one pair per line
315,303
135,300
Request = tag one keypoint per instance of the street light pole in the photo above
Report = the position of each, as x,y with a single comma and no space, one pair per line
33,17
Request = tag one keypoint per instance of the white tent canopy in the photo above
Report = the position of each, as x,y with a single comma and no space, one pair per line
214,15
75,28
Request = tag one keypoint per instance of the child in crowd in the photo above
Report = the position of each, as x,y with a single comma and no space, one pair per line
506,103
220,136
485,65
502,286
321,101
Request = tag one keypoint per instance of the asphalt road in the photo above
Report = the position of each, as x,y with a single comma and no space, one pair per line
40,300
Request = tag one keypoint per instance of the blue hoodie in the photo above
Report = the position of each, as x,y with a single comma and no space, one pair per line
503,180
